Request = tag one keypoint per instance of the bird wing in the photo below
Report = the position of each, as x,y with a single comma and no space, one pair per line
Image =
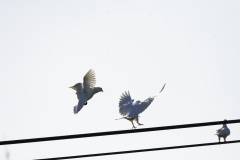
89,80
159,92
125,103
79,106
141,106
223,131
79,90
162,88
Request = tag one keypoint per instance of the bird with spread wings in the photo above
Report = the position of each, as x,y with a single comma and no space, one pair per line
86,90
130,109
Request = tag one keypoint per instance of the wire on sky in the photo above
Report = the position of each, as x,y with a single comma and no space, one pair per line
116,132
141,150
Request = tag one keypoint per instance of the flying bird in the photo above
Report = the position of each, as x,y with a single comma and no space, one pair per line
130,109
85,90
223,132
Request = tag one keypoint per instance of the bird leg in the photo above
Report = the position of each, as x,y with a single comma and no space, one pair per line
133,125
224,139
138,122
218,139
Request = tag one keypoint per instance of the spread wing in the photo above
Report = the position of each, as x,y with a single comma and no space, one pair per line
139,106
125,103
160,91
162,87
89,80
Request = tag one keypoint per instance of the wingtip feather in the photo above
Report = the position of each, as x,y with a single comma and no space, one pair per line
162,88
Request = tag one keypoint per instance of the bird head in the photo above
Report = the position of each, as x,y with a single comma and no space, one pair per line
98,89
137,102
224,121
75,87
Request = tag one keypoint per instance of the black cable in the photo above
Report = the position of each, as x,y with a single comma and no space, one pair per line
141,150
116,132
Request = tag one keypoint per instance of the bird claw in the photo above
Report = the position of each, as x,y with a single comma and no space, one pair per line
140,124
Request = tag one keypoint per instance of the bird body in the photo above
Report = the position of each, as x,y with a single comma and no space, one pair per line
85,90
223,132
130,109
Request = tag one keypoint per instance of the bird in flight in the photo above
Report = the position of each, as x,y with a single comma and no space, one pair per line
85,90
223,132
130,109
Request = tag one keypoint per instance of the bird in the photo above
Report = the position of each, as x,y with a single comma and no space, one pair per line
85,90
131,110
223,132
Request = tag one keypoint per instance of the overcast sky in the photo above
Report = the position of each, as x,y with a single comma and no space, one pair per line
48,46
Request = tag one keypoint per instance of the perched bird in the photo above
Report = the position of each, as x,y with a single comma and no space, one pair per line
223,132
86,90
130,110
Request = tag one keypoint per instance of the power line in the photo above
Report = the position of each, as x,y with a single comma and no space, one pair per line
116,132
141,150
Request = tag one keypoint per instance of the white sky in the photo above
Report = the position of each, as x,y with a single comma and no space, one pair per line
48,46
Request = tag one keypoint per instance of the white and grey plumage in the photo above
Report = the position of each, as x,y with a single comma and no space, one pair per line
223,132
86,90
130,109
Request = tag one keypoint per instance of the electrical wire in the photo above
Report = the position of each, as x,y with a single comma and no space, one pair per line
116,132
141,150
